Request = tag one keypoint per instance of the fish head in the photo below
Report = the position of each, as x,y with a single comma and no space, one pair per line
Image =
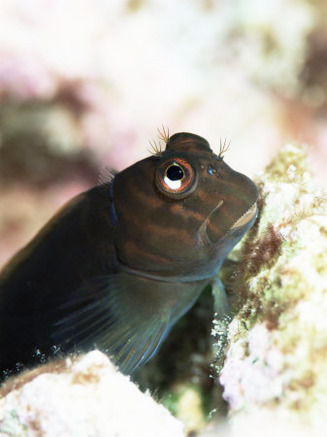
180,211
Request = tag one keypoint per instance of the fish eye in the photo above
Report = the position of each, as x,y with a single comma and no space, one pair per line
176,178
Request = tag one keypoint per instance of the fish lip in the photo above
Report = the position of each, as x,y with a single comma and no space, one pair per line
247,217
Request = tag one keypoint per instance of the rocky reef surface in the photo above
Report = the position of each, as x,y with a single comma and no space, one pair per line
81,397
275,363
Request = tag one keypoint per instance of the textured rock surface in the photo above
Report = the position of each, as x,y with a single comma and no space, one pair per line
81,398
276,364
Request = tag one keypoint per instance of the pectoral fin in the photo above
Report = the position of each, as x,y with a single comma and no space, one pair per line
221,305
126,316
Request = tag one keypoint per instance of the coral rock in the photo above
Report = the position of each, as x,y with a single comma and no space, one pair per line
276,363
81,397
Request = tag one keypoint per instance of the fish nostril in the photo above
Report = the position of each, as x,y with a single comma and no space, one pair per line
211,170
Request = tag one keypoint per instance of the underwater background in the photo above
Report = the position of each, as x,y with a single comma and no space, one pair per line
84,85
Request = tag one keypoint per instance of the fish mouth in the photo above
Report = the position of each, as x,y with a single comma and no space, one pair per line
241,222
246,217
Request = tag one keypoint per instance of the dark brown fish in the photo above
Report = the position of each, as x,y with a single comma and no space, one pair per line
119,264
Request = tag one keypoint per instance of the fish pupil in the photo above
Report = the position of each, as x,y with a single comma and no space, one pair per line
175,173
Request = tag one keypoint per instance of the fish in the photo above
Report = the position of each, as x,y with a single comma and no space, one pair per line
121,263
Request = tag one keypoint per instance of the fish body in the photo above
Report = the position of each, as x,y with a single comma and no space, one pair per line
119,264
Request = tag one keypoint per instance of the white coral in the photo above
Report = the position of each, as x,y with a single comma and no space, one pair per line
89,398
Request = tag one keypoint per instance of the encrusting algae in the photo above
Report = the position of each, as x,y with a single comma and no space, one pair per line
277,341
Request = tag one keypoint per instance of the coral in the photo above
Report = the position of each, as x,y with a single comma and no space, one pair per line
81,397
277,341
272,54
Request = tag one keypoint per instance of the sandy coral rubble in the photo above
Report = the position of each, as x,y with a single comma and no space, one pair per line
83,397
